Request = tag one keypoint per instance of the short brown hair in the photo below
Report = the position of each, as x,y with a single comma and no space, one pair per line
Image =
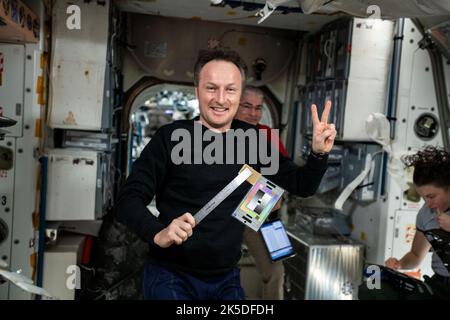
221,54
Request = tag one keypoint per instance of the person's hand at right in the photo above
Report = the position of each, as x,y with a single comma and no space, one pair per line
178,231
393,263
443,220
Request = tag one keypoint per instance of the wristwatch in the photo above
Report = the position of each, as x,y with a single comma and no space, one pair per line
321,155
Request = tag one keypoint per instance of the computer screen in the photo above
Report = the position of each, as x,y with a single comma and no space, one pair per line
276,240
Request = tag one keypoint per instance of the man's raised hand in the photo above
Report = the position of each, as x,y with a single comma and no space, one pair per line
323,132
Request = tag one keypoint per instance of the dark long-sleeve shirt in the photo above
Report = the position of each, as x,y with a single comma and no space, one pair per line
215,246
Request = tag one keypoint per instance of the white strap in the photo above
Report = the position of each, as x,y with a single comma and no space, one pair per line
352,185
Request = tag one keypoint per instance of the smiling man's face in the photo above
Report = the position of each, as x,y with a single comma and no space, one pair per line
218,92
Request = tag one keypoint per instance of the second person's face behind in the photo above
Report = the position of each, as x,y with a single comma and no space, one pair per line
250,108
218,93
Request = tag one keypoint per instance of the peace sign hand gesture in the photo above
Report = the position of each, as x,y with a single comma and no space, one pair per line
323,133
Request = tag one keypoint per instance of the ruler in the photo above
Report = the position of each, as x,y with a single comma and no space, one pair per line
225,192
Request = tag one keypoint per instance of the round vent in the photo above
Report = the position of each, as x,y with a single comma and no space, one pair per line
426,126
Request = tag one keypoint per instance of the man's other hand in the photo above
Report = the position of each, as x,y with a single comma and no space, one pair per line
178,231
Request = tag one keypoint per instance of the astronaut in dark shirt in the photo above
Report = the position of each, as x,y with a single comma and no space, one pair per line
189,261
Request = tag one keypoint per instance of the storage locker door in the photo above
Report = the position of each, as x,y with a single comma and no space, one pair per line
6,209
72,185
11,86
